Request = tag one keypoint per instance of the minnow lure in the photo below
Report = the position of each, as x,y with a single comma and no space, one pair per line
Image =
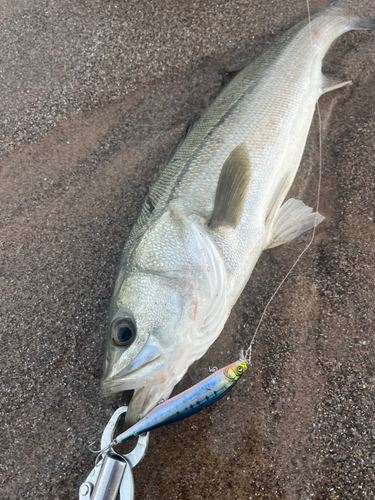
189,402
193,400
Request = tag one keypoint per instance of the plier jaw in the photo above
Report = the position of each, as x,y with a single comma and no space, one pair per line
112,475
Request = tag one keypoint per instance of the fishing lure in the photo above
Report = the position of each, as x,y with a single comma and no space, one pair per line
189,402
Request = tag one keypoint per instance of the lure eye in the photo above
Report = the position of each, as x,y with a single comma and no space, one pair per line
123,331
240,369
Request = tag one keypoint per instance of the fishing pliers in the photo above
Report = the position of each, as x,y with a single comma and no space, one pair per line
112,476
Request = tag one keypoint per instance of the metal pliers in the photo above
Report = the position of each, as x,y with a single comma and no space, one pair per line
112,475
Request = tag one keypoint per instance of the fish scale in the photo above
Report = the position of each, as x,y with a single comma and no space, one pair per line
218,204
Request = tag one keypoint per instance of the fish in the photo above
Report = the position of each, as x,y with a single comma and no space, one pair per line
216,206
189,402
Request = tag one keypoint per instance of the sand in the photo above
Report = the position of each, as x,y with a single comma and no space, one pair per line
94,97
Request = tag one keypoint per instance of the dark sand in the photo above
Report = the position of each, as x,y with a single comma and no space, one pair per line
94,96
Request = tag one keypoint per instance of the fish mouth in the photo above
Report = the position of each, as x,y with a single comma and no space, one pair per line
145,399
146,369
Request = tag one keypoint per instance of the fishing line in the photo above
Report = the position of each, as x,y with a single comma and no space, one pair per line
248,352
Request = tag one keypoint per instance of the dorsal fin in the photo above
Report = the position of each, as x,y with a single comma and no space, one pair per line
232,189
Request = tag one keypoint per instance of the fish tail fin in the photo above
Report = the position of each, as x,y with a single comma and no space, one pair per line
358,23
350,10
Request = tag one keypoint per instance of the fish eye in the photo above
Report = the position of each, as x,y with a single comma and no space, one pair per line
240,369
123,331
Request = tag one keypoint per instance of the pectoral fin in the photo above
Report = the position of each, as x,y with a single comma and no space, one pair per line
292,219
232,189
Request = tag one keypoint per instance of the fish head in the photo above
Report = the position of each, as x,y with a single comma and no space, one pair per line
160,302
236,370
153,313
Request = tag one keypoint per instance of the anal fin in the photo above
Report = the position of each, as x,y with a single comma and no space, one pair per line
292,219
329,84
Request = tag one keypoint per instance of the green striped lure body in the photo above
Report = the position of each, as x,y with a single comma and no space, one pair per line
189,402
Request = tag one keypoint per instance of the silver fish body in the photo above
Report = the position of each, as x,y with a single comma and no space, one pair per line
216,206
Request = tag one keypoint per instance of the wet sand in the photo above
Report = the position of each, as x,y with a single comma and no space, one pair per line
94,97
